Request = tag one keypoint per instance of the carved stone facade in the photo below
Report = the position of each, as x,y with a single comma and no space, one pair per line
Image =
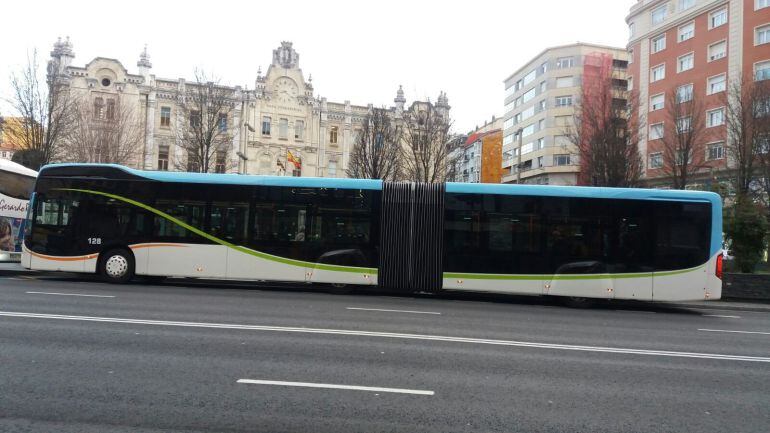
279,127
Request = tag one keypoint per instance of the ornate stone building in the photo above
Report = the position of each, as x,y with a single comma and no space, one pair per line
279,127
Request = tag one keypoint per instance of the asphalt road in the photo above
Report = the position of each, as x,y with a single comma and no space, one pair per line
192,357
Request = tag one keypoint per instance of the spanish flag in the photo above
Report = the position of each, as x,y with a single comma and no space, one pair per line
297,161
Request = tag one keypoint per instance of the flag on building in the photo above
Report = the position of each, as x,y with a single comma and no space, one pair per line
296,160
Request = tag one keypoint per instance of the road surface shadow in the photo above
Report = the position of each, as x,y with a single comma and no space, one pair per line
364,291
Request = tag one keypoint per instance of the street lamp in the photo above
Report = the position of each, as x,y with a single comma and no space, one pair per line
240,154
244,159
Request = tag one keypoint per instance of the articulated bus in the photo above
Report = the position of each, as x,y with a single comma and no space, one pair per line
16,182
577,242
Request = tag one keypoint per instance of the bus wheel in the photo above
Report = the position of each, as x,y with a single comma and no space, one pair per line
117,266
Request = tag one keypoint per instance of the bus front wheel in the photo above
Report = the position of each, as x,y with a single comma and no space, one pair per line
117,266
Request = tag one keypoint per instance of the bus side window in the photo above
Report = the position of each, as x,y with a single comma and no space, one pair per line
189,212
279,223
229,220
55,211
262,230
682,235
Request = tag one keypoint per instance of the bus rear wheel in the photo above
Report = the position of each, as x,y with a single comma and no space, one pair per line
117,266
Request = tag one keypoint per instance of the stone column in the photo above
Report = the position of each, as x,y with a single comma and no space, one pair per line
347,138
238,129
322,137
149,138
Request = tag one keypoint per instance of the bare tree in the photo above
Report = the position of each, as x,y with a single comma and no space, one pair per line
376,154
205,131
684,133
45,110
426,150
103,130
747,117
606,132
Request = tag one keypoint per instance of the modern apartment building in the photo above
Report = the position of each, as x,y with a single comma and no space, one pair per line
539,110
697,48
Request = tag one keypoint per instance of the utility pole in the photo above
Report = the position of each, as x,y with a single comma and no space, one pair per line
243,161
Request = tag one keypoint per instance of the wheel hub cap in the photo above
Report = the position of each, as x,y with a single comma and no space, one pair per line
116,266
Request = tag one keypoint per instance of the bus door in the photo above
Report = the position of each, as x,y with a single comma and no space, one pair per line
631,252
179,252
339,236
682,243
277,240
576,243
59,232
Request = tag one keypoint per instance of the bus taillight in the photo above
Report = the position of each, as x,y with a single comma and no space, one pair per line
718,272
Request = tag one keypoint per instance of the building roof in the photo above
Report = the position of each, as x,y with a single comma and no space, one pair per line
476,136
558,47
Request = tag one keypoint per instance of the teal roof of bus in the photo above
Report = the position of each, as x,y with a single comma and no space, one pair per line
237,179
376,184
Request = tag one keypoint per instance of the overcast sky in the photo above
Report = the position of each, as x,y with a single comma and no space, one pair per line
356,50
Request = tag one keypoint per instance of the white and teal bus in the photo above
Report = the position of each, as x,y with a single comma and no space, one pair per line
520,239
16,182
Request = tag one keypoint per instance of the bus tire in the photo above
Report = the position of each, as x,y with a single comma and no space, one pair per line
117,266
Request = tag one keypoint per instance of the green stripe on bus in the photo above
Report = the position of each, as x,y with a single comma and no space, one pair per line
457,275
215,239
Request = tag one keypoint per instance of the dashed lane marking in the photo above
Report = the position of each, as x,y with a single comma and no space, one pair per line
335,386
422,337
392,311
70,294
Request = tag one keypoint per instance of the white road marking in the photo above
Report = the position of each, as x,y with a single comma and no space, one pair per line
735,332
423,337
70,294
333,386
722,316
392,311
